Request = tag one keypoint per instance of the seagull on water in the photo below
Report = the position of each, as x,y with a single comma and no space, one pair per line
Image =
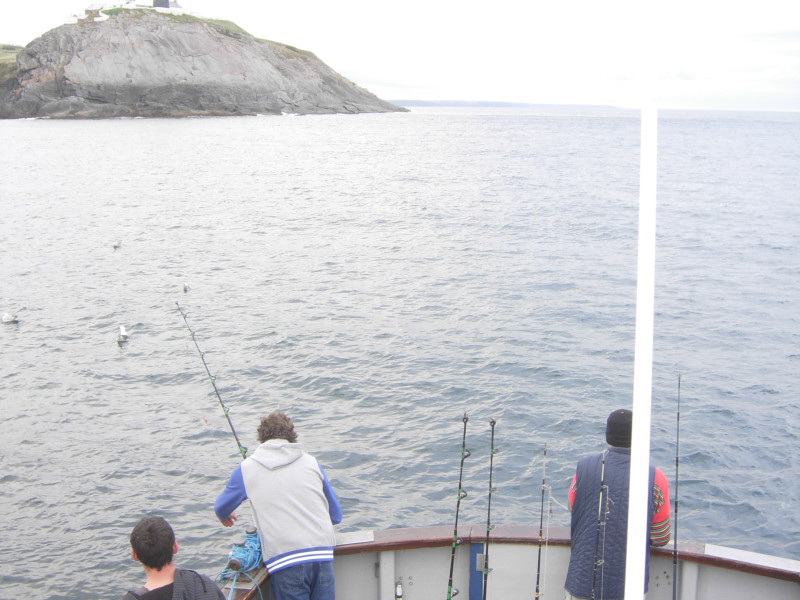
123,335
186,287
117,244
7,318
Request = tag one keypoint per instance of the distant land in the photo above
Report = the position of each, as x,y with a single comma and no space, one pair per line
574,107
487,104
147,62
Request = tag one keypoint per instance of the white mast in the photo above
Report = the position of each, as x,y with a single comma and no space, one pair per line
643,351
643,361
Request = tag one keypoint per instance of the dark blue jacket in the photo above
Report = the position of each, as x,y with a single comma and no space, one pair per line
609,579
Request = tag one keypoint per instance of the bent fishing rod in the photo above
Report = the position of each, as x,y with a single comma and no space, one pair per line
541,522
489,525
675,529
461,495
212,378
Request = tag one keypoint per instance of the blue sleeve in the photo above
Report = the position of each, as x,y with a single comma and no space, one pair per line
232,496
334,509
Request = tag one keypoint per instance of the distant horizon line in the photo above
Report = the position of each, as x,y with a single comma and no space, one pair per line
504,104
491,103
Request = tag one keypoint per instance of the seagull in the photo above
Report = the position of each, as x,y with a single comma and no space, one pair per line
117,244
7,318
123,335
186,287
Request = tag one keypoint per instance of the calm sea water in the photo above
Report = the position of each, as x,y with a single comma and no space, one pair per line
376,276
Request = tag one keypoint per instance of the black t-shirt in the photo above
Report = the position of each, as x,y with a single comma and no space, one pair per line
162,593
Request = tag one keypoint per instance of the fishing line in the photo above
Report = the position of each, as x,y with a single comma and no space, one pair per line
551,501
461,495
246,557
489,525
242,449
675,528
598,558
541,523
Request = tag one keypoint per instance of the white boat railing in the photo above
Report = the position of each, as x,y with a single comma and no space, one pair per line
414,562
370,565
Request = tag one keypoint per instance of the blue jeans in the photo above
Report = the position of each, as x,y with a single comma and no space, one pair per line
306,581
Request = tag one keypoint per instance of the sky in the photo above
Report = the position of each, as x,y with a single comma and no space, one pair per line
699,54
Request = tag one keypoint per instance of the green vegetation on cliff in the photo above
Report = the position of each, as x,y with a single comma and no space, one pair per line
8,61
288,51
182,18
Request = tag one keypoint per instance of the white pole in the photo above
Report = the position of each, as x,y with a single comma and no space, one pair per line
643,356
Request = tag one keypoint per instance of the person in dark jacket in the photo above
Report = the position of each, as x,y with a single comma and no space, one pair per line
598,499
153,544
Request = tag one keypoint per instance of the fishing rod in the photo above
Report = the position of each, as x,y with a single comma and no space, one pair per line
675,529
598,560
541,522
242,449
461,495
486,568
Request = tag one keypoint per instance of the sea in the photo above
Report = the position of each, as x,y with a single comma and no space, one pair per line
378,277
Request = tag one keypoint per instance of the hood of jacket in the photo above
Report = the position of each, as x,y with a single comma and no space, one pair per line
190,584
274,454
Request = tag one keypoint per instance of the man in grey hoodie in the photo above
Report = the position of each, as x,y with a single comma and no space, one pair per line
294,508
153,544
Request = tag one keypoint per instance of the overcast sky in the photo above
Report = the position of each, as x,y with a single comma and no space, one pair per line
727,54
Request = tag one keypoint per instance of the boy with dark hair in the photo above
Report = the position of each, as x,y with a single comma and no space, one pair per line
153,544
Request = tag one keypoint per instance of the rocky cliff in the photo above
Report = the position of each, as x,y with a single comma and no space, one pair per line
143,63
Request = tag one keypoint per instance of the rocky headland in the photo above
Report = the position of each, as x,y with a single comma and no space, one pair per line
145,63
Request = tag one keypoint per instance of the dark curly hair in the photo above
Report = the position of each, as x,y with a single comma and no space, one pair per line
276,426
153,541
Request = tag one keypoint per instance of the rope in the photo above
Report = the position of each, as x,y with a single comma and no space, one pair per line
243,559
